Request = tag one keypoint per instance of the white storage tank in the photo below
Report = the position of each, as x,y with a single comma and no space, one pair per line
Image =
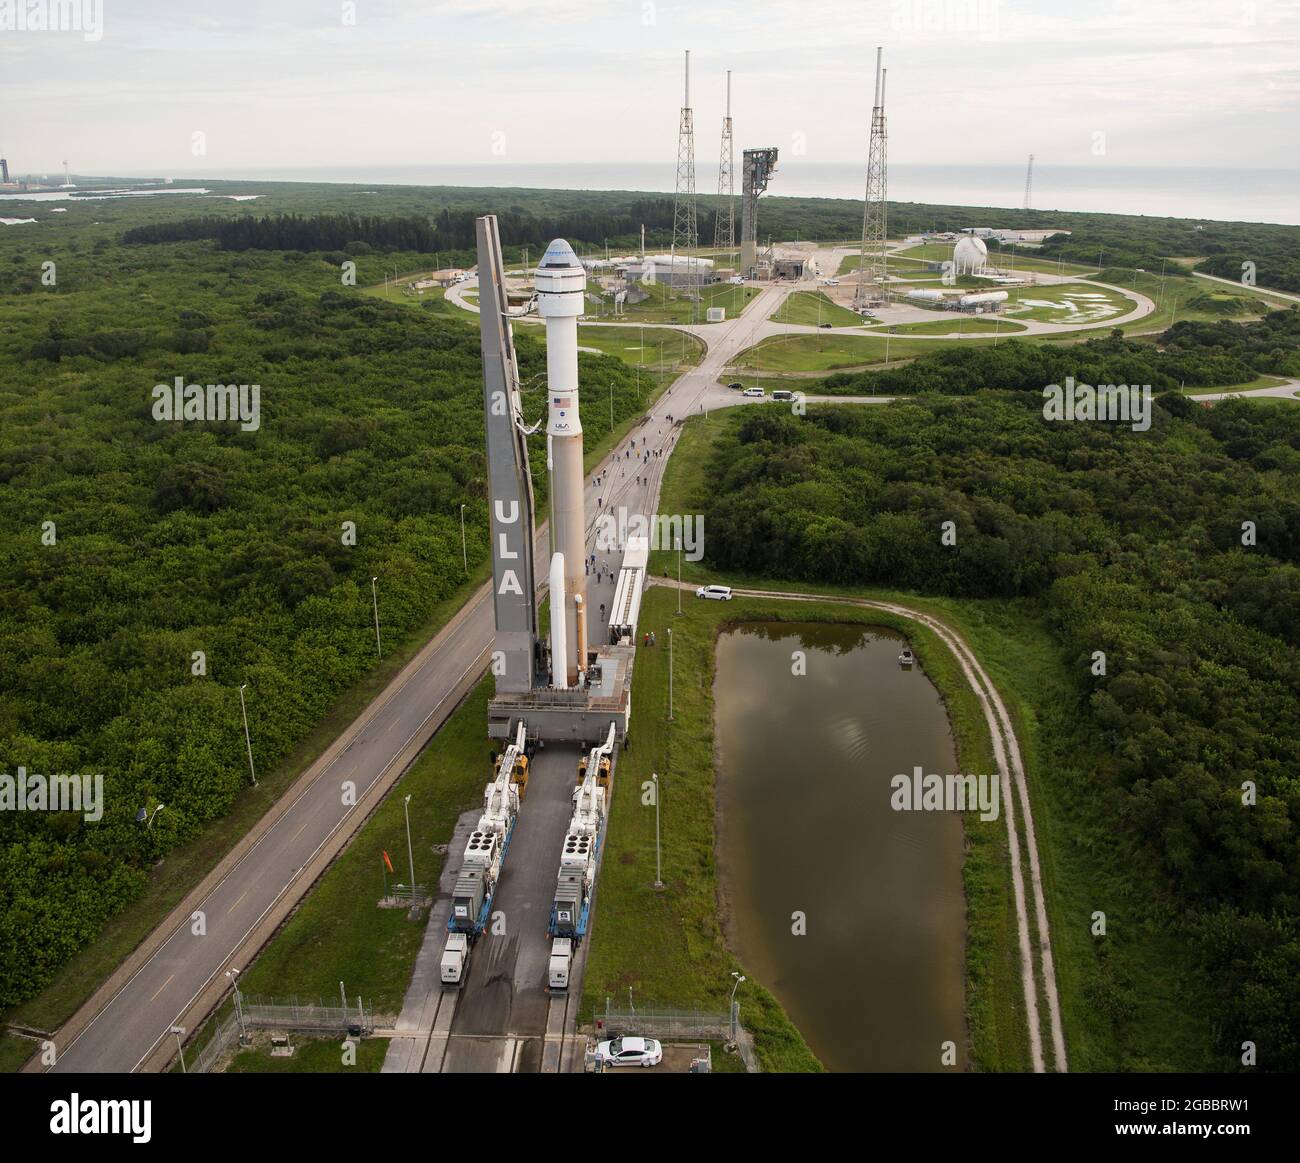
926,296
982,298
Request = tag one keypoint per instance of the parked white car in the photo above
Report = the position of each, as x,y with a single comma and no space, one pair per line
715,593
752,392
630,1052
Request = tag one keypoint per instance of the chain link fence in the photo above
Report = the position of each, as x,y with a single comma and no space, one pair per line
657,1022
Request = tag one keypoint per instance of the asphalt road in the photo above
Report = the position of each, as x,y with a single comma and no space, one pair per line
178,975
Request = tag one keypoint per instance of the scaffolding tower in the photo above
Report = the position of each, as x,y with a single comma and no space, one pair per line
872,259
724,223
686,237
758,166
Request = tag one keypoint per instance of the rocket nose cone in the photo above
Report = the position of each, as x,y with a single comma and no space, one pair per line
559,254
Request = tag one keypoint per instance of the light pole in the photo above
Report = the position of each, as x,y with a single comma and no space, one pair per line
374,593
679,576
156,810
247,738
464,556
178,1031
739,978
410,852
670,674
233,974
659,873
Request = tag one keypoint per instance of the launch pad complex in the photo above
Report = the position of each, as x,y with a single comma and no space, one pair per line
560,709
574,683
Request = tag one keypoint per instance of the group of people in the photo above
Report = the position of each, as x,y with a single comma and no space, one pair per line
649,639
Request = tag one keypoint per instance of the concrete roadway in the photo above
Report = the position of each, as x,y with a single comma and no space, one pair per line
177,977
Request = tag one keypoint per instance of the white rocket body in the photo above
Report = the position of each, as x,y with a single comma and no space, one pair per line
560,283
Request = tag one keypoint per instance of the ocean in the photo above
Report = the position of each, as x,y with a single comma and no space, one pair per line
1230,195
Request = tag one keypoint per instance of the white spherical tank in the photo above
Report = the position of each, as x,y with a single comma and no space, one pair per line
970,256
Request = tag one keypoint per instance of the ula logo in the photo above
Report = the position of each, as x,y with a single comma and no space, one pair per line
102,1116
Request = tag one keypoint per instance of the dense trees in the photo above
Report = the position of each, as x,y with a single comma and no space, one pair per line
1133,545
171,538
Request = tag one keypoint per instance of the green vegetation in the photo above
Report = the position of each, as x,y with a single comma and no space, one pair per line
826,352
1204,354
1081,304
338,933
171,538
813,308
1096,539
669,946
665,304
958,324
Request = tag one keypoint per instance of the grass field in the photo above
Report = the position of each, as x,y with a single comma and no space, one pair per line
1073,303
1130,1005
338,933
955,324
668,305
1257,382
812,308
829,351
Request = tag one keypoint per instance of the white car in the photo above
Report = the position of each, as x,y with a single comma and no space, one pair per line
630,1052
715,593
752,392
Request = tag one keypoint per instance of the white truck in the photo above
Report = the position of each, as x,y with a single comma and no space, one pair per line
557,971
454,956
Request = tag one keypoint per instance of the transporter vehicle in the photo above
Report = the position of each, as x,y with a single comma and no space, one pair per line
714,593
480,871
629,1052
560,964
571,902
752,392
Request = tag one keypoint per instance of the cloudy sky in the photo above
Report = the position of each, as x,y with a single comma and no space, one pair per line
391,82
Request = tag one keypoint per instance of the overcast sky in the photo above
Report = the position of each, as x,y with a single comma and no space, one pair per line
292,83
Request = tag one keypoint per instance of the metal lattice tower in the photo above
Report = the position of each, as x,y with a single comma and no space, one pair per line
1029,180
872,259
724,224
686,236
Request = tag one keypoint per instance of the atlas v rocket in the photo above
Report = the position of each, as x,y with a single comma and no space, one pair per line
560,284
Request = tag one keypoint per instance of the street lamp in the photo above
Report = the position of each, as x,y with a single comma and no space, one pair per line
464,556
178,1031
410,852
739,978
144,814
374,593
248,741
679,574
233,974
659,875
670,673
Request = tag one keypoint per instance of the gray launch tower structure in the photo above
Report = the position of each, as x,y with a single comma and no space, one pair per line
759,165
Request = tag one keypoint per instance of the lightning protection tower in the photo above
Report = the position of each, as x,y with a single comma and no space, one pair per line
686,237
1029,180
724,225
872,259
